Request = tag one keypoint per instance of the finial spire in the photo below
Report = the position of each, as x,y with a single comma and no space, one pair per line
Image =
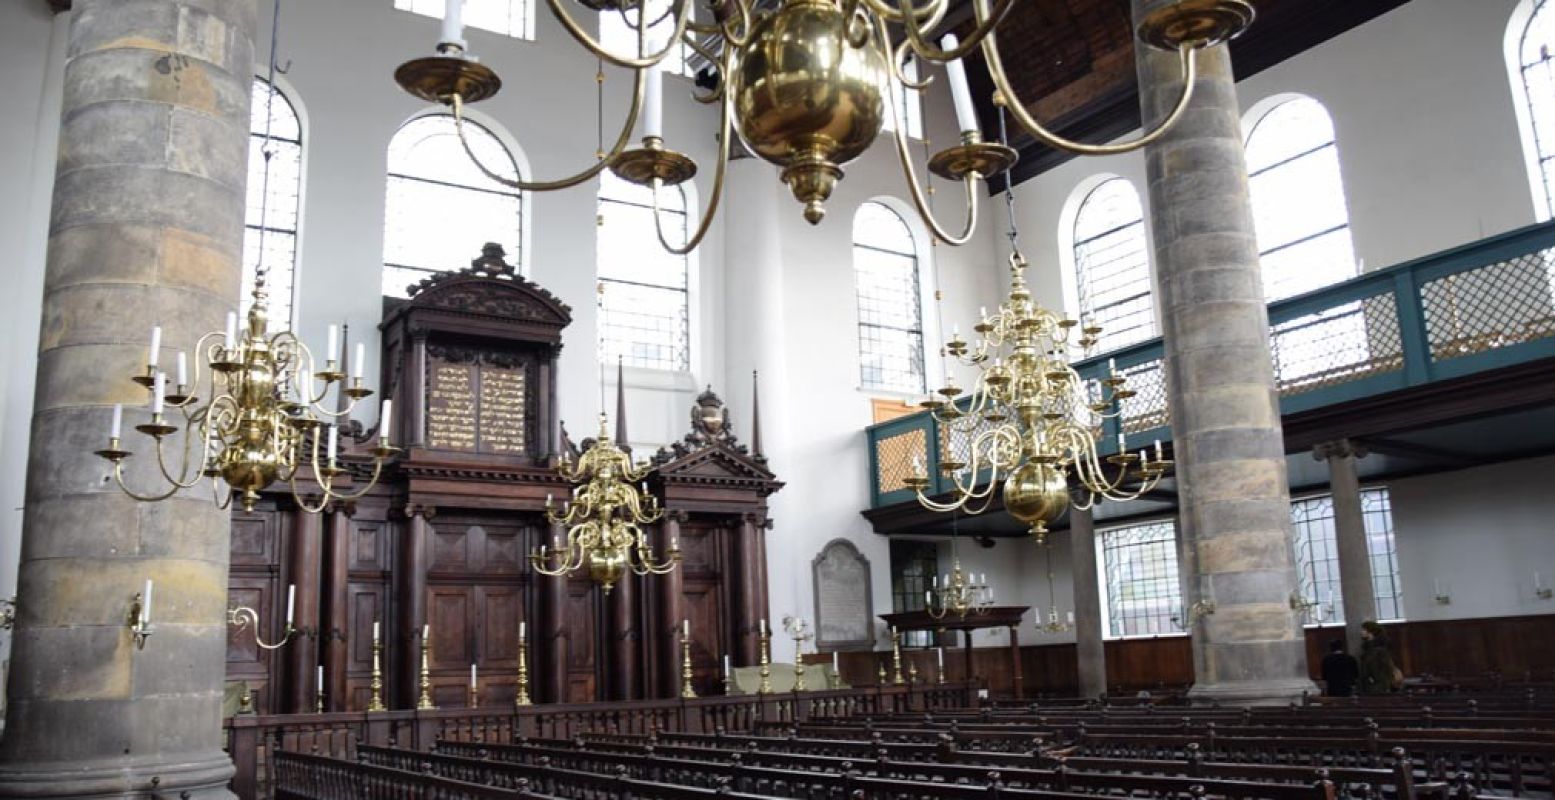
756,416
621,440
341,402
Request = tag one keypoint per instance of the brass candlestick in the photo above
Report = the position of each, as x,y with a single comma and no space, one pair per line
425,701
766,662
912,673
798,664
522,698
318,704
686,690
896,659
730,689
375,703
880,676
475,697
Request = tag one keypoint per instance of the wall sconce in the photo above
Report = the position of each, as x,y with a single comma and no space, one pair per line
139,621
1199,610
1300,604
242,616
1442,597
1539,589
8,614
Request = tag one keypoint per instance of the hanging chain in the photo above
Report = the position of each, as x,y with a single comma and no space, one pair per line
267,148
1009,187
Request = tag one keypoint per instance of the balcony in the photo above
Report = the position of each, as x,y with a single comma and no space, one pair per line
1438,363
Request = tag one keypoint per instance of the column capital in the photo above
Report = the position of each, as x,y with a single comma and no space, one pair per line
1339,448
676,515
422,510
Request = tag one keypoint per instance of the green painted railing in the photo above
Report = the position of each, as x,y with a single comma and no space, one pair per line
1482,306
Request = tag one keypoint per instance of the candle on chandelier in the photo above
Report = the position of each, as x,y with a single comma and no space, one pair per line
145,604
183,369
1158,450
385,419
653,101
453,23
334,442
966,114
361,358
158,386
982,311
332,350
1069,615
291,603
156,346
1112,366
232,330
928,597
118,421
1122,447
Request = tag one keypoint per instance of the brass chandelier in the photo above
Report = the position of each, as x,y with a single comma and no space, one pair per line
604,517
807,86
265,419
961,593
1030,425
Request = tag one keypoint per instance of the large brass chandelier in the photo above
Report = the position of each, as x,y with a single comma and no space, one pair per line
263,417
1030,425
806,86
604,516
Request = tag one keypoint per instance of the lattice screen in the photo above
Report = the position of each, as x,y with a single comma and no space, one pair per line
894,456
1501,304
1337,345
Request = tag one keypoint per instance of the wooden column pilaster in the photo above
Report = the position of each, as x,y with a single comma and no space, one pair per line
549,674
672,589
625,678
337,621
412,585
301,654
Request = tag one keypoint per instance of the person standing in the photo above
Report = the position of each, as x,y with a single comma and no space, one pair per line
1379,675
1340,671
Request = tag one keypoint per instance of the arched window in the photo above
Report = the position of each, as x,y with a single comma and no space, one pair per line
274,211
890,315
1298,200
1536,68
508,17
440,209
1112,265
644,298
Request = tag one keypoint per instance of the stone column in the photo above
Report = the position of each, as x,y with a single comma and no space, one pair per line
1360,599
147,228
302,654
672,589
1220,380
413,602
1087,604
337,612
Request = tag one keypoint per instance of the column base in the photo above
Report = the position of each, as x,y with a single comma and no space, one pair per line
1252,693
198,780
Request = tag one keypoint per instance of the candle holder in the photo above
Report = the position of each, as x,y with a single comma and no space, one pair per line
140,627
912,674
799,629
318,703
243,616
686,690
730,687
246,701
522,698
880,676
475,697
766,663
375,703
896,659
425,701
940,679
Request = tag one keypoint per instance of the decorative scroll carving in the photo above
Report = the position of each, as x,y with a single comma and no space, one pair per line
710,425
844,608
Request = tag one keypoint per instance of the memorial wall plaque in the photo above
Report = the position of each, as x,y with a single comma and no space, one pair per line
844,610
451,407
501,410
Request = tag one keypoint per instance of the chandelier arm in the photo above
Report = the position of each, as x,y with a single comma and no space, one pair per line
183,481
736,37
897,15
682,16
349,496
1189,66
560,183
118,475
902,50
929,51
703,225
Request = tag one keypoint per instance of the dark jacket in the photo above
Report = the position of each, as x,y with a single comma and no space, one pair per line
1376,667
1340,672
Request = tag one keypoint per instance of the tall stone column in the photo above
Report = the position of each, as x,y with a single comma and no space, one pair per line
1360,599
1220,381
146,229
1087,604
672,590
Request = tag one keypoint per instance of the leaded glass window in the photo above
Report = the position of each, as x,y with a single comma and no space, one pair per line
1144,595
909,104
1537,68
508,17
1317,556
644,302
272,206
885,267
913,566
440,209
1112,265
1299,209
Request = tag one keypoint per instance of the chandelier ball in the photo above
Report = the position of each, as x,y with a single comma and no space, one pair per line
1036,494
806,99
606,566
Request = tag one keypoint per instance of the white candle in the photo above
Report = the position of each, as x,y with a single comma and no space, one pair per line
453,22
834,669
334,442
145,604
685,628
321,679
521,630
653,102
156,346
928,597
982,311
1158,450
291,603
763,627
1070,616
331,352
361,358
426,632
158,386
966,113
1437,583
183,368
385,420
118,421
375,631
1122,447
305,386
472,677
232,329
1112,366
726,664
939,655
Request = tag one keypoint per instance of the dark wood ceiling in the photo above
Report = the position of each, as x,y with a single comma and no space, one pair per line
1072,63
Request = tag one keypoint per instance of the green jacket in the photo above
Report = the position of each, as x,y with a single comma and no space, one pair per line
1376,668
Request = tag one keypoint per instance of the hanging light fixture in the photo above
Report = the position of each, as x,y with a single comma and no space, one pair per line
1030,425
604,517
1052,624
264,420
806,86
961,593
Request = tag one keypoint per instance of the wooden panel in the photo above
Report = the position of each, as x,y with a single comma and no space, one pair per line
581,623
700,605
501,608
450,612
503,551
451,546
254,540
369,545
699,550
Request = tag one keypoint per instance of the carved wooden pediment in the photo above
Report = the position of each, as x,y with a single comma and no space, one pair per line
490,289
720,464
